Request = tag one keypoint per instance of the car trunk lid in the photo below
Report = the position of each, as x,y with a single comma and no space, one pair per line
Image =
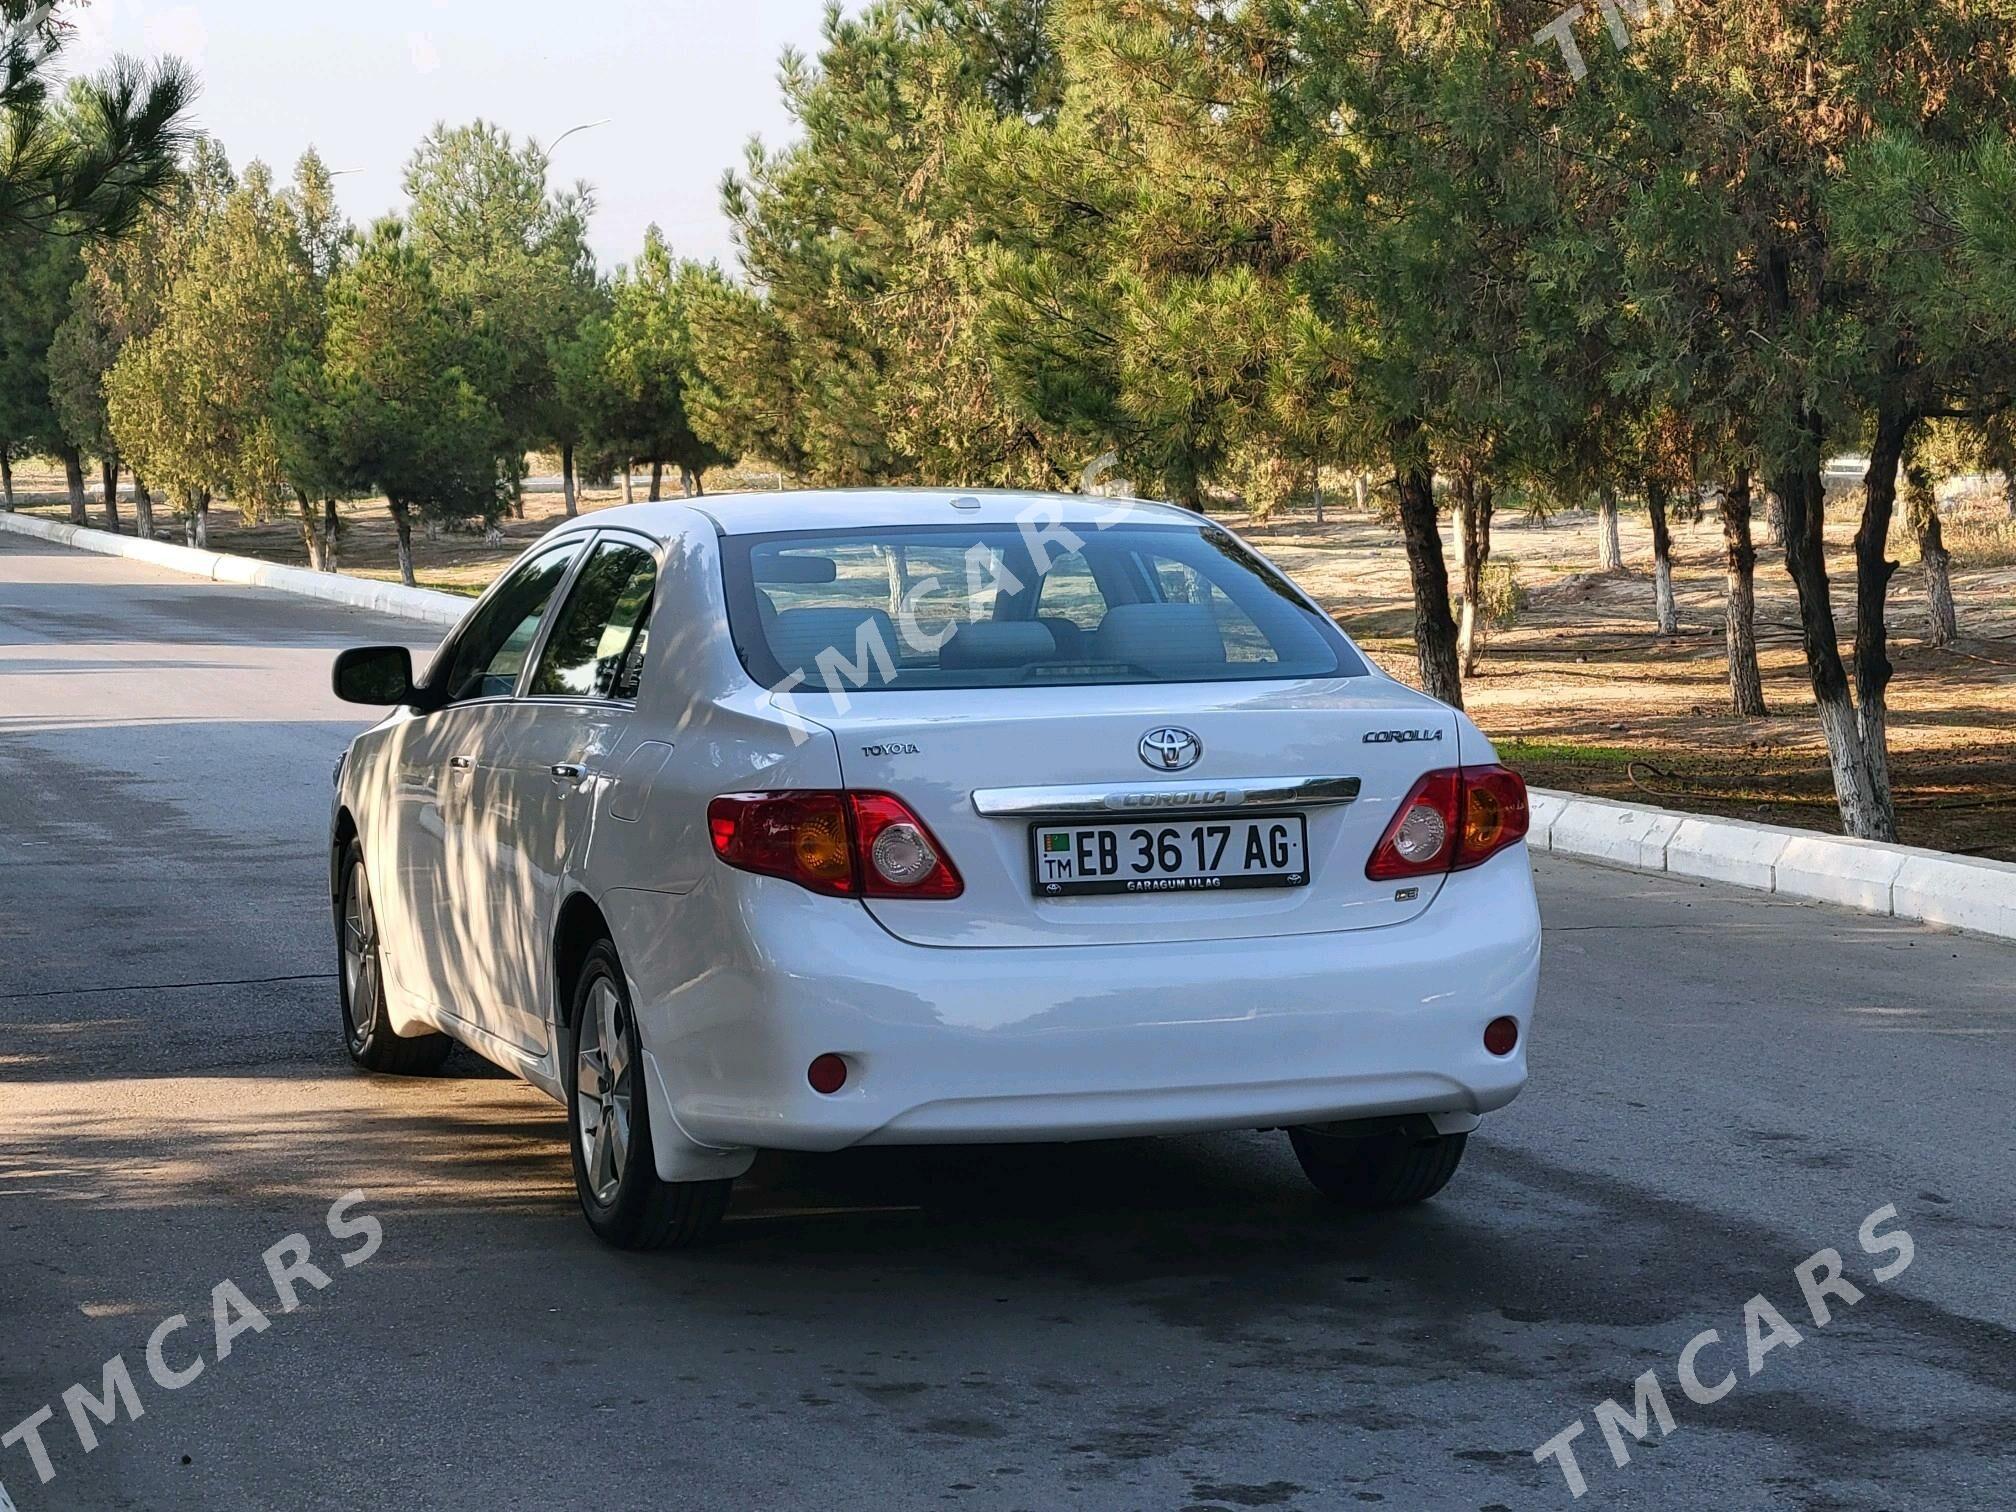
982,767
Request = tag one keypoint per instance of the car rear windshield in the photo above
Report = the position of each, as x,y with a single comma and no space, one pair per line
986,606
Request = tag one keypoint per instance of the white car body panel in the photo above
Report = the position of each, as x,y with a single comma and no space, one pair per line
970,741
996,1016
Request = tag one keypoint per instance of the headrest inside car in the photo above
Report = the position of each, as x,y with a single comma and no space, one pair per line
779,568
799,636
1167,639
997,643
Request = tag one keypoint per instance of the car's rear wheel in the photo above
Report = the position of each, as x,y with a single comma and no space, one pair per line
1383,1170
609,1125
367,1028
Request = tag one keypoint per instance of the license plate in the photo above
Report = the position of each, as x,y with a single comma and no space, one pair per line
1170,855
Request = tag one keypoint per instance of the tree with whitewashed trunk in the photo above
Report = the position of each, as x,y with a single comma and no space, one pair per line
1609,544
36,273
191,402
80,354
121,299
326,239
391,392
1817,201
512,251
1943,450
1746,677
1921,513
583,403
1423,170
1998,454
1774,521
1664,611
1475,496
1670,447
648,364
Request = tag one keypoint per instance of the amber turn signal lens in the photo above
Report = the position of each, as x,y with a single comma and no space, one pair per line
1483,821
821,846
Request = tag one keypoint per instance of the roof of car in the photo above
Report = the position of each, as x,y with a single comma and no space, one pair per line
845,508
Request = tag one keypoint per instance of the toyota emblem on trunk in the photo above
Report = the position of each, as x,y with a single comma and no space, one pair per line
1171,749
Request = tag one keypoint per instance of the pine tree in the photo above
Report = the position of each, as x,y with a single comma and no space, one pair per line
390,405
859,245
190,403
1807,213
90,160
36,273
514,252
648,365
1413,128
1138,291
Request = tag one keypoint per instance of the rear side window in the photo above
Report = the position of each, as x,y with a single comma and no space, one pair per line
597,646
983,606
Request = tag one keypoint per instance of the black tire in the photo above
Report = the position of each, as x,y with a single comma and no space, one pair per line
1379,1171
626,1203
360,979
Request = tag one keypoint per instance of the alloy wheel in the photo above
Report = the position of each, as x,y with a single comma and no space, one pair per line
602,1089
360,956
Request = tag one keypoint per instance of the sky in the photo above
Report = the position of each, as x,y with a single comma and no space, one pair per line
683,84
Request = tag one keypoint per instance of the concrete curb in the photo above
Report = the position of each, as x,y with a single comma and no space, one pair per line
422,604
1932,887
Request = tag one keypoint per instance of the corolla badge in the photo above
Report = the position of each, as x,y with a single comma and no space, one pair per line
1171,749
1401,737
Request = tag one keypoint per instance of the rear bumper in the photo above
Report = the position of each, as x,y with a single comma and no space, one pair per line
741,984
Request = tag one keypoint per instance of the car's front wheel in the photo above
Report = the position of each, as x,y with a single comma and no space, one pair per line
367,1028
1388,1169
609,1124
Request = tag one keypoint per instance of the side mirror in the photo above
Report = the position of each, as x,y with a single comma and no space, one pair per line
381,676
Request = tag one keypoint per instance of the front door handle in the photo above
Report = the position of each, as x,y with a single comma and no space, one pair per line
569,771
462,763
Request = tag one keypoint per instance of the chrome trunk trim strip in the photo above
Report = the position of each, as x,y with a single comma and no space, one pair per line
1106,801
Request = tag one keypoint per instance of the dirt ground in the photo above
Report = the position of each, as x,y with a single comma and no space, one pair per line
1580,693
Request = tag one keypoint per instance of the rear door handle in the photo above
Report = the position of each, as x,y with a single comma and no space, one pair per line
569,771
462,763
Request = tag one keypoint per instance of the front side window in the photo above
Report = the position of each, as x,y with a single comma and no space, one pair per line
597,646
984,606
492,648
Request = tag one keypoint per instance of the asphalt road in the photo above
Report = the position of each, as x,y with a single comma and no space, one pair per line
1723,1085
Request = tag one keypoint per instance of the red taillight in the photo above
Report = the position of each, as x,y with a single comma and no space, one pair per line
846,845
1422,837
801,837
897,855
1453,819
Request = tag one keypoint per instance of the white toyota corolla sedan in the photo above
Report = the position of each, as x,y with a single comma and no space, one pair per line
811,820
